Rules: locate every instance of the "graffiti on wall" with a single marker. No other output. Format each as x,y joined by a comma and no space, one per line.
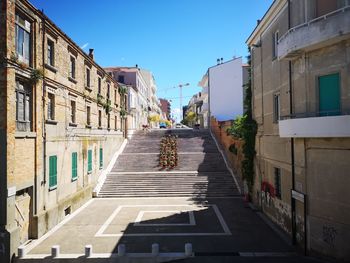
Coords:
268,192
2,245
329,235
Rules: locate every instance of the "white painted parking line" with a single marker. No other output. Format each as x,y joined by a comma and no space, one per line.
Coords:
101,231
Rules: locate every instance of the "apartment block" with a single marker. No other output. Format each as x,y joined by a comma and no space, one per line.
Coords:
300,62
61,121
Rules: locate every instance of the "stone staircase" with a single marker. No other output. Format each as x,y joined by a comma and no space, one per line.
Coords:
201,172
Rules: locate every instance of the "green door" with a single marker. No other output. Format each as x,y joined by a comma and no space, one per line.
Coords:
329,95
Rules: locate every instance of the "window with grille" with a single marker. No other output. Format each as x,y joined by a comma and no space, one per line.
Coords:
274,45
99,85
51,107
87,76
88,115
276,108
23,107
73,111
99,118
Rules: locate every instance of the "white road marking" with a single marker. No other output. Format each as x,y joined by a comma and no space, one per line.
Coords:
37,242
100,232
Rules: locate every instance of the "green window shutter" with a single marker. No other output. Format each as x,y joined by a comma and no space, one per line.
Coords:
74,165
101,157
89,160
329,95
52,171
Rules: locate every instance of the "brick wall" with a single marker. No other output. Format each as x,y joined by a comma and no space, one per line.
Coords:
219,130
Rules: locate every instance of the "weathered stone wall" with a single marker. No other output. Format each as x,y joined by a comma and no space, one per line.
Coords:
24,166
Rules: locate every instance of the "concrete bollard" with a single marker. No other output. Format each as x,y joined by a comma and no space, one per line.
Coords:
155,249
188,249
21,252
88,251
55,251
121,250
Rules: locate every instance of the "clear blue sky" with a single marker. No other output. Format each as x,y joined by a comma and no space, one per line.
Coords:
176,39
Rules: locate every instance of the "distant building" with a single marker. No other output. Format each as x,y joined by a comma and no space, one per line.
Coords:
222,84
166,108
195,106
184,109
139,91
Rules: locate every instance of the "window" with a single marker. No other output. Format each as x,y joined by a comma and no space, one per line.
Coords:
89,161
72,67
276,108
274,45
52,172
115,96
99,118
121,79
72,111
23,107
51,107
101,158
277,172
22,39
115,122
50,53
99,86
74,166
329,93
108,90
87,78
88,115
108,121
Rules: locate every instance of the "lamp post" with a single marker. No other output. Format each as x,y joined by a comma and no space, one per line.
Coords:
180,87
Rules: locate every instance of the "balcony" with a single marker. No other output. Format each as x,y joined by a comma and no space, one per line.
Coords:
315,126
316,33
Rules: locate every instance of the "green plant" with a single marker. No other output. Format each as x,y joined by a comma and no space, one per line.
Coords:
36,75
107,106
123,90
99,99
233,149
123,113
245,127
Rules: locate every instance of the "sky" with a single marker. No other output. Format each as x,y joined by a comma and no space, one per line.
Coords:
175,39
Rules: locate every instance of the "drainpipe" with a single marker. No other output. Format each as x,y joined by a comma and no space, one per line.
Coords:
43,182
292,139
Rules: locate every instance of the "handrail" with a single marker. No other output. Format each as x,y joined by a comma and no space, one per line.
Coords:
343,9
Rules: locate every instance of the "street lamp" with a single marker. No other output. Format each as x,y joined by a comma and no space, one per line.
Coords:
180,87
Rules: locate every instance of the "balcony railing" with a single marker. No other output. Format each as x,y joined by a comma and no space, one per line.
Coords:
313,33
315,125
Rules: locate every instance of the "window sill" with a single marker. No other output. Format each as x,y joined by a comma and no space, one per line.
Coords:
88,126
89,172
73,124
53,122
74,179
88,88
100,128
19,134
108,129
51,68
101,168
72,80
52,188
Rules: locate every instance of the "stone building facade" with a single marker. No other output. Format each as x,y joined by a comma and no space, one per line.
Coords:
300,54
61,121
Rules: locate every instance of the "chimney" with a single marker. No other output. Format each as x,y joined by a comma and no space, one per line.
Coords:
258,21
91,53
137,66
222,60
217,61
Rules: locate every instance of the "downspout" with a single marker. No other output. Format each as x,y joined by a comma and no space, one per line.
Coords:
292,139
43,182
